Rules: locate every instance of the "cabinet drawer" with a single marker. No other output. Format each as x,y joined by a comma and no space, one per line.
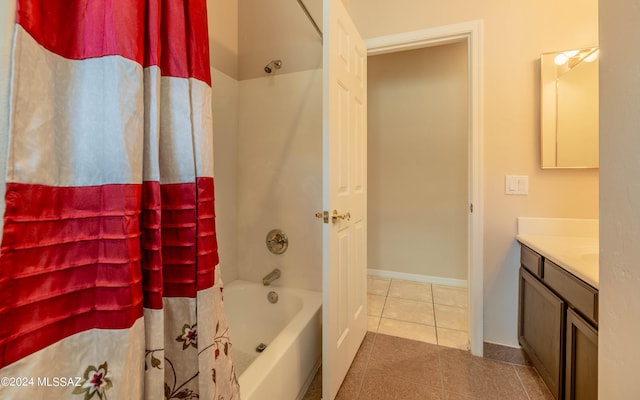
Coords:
578,294
531,260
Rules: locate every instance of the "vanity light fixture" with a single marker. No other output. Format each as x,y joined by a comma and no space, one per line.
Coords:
593,56
574,57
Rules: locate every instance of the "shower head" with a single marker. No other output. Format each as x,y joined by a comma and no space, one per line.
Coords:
277,64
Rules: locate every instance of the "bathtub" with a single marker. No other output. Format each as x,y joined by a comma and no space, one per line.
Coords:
291,330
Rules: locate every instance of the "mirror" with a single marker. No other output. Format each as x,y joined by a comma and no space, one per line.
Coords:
569,109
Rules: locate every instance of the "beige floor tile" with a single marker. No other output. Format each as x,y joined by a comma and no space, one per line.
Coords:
372,323
378,286
408,310
450,296
408,330
411,290
451,317
452,338
375,304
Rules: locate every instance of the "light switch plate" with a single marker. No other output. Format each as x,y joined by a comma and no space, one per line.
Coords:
517,184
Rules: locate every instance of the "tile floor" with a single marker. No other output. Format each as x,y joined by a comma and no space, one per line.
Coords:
420,311
413,352
393,368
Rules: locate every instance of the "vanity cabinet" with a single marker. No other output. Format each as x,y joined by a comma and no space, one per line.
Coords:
581,368
557,327
541,325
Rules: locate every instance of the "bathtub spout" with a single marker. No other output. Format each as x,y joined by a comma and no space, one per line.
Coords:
271,276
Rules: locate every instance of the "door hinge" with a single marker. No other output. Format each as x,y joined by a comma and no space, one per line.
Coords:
471,207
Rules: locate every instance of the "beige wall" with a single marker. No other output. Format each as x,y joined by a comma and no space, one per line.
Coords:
223,40
514,36
417,158
222,16
618,350
225,147
279,181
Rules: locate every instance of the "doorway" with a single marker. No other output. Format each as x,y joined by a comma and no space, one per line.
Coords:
418,174
470,34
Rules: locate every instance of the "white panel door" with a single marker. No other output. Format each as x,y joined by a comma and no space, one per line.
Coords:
344,194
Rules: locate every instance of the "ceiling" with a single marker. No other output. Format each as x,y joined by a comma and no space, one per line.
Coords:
277,29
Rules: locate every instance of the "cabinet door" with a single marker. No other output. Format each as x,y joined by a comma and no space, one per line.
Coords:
581,366
541,330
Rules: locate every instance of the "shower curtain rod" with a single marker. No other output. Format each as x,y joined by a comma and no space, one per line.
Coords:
304,8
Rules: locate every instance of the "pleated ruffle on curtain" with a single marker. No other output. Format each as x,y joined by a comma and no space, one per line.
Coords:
108,279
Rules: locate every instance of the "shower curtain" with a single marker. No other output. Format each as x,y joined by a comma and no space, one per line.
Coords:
108,279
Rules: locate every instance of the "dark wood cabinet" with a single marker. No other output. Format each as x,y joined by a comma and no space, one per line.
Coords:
531,260
541,330
581,365
558,327
581,296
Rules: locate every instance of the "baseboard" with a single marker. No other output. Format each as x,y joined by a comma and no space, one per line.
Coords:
513,355
313,383
380,273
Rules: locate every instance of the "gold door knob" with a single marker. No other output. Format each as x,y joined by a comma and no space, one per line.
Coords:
335,216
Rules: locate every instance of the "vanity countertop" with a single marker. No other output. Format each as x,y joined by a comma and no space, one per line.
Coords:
577,255
572,244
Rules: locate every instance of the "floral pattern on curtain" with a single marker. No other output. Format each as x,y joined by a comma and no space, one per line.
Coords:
108,279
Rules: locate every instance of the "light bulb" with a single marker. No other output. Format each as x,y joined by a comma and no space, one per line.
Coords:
561,59
571,53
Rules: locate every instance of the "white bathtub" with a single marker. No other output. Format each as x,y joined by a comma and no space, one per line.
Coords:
291,329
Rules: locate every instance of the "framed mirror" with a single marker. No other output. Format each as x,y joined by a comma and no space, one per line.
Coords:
569,109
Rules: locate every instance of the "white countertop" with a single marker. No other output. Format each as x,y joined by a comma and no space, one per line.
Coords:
577,255
573,244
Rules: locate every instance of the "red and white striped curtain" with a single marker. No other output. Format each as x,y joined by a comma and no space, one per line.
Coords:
108,280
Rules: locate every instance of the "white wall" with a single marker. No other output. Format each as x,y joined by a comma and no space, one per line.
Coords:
417,158
514,36
223,40
280,176
225,130
618,350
